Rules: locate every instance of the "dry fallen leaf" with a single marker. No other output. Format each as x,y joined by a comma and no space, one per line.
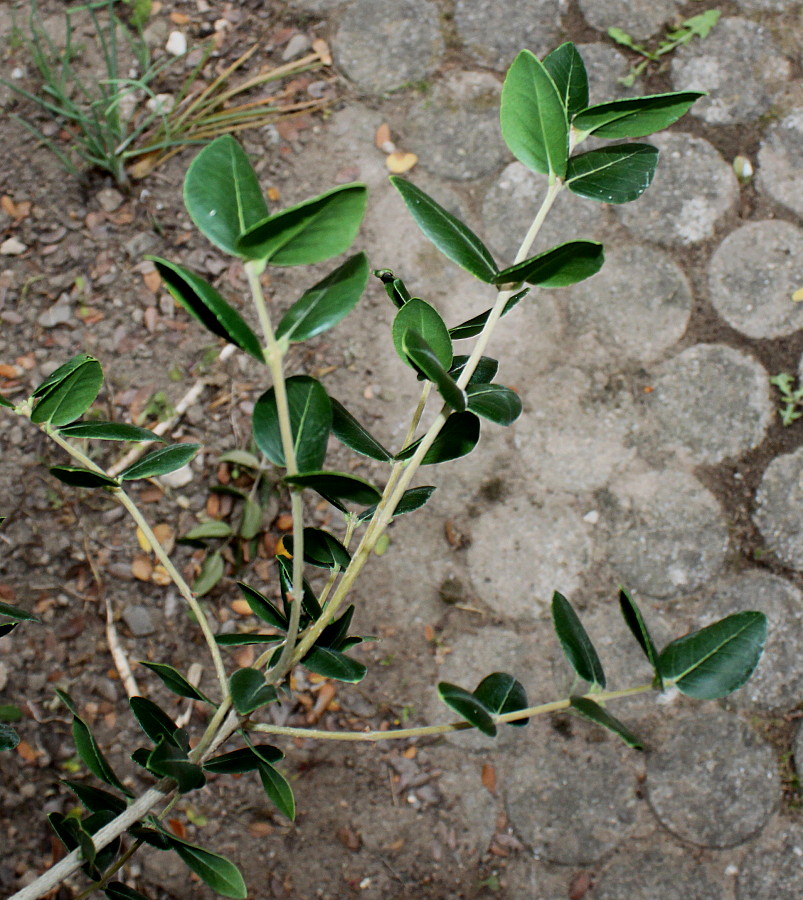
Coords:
797,297
153,281
489,777
320,46
160,576
27,752
179,18
579,885
382,136
241,607
244,657
284,522
142,568
143,542
400,162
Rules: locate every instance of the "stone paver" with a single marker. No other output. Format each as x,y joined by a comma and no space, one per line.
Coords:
708,65
714,783
779,508
773,870
712,401
778,681
605,66
780,162
639,18
666,533
535,25
633,310
380,52
692,190
752,276
454,127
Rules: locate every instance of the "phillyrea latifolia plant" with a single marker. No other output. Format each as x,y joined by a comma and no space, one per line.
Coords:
545,118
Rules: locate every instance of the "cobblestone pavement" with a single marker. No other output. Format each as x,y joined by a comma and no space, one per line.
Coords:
641,457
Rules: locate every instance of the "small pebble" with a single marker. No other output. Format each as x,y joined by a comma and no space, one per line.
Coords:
178,479
176,43
109,199
12,247
298,44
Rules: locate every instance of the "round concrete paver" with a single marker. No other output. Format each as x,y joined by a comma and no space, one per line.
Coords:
667,533
639,18
714,782
633,310
454,129
711,400
777,683
779,508
752,276
574,801
773,870
663,872
780,162
521,553
408,43
692,189
735,44
535,25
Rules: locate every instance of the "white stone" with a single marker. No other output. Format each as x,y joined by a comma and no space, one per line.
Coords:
176,43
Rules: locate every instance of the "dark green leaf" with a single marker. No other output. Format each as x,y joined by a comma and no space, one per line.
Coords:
309,232
634,117
6,403
566,67
336,632
309,602
394,287
207,305
75,476
9,738
718,659
452,237
222,193
424,319
487,367
160,462
7,628
559,267
91,755
411,500
635,622
246,759
424,358
153,837
62,372
116,890
501,693
615,174
108,431
467,706
71,397
327,303
458,437
174,681
351,433
10,713
474,326
249,691
169,761
321,549
206,530
575,641
262,607
278,790
154,721
95,799
338,484
240,640
214,870
310,421
588,709
495,402
67,829
16,613
211,572
333,664
533,118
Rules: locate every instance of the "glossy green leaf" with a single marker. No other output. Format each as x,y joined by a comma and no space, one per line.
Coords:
9,738
207,530
394,287
160,462
615,174
566,67
6,403
116,890
411,500
309,232
7,628
339,485
635,117
109,431
310,422
246,759
58,375
71,397
351,433
174,681
635,622
241,640
17,613
501,693
222,193
153,837
333,664
718,659
533,118
68,830
326,303
467,706
487,367
558,267
425,360
321,549
76,476
207,305
95,799
250,691
337,631
452,237
169,761
419,316
153,720
472,327
278,789
458,437
309,602
212,570
262,607
575,641
588,709
214,870
494,402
